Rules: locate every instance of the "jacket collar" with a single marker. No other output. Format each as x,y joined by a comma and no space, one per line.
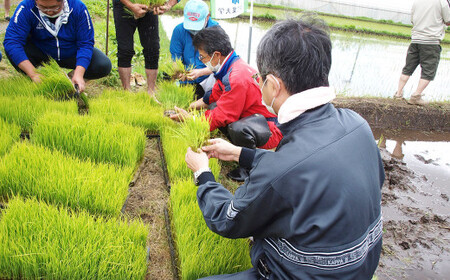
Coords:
310,116
62,19
226,65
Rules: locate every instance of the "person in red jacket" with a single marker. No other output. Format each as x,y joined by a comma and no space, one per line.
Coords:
235,102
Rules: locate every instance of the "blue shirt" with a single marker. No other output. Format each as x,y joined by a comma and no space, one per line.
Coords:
181,47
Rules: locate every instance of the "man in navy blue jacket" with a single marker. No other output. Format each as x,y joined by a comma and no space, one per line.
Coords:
196,17
60,29
313,207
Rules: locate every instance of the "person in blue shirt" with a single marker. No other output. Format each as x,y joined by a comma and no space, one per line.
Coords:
58,29
196,18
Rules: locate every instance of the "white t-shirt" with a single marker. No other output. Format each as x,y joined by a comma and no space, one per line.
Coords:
429,18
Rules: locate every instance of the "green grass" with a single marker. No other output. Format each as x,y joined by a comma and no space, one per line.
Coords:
54,84
133,109
25,110
200,251
9,134
175,143
91,138
40,241
35,171
171,95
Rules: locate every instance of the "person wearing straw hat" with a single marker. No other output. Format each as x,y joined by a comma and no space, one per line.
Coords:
196,18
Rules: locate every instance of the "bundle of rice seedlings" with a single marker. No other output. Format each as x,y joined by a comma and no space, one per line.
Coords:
92,138
174,69
9,133
150,3
54,82
132,109
175,143
25,110
29,170
201,252
171,95
40,241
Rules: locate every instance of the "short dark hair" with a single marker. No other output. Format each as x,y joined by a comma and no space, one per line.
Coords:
213,39
298,52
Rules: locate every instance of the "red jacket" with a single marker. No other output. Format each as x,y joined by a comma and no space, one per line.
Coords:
238,96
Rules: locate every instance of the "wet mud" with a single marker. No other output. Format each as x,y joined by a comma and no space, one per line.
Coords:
416,235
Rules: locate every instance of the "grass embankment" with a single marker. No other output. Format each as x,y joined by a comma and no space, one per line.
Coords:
40,241
91,138
51,176
9,134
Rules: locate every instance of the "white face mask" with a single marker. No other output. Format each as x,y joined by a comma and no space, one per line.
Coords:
269,108
213,68
52,16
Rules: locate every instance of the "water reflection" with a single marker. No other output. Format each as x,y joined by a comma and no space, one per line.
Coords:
362,65
427,154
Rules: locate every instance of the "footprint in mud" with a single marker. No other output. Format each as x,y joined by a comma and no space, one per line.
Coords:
426,161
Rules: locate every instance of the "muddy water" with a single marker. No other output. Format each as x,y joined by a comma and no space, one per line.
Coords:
362,65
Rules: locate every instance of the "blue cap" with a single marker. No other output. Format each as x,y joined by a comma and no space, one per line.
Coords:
195,13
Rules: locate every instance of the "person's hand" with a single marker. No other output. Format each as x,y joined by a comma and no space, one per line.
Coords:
182,77
222,150
162,9
79,80
197,105
139,10
194,74
180,115
35,77
196,160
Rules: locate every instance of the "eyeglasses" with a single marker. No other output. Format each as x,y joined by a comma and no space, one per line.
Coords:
49,10
201,57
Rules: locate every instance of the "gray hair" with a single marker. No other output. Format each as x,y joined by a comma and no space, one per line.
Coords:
298,52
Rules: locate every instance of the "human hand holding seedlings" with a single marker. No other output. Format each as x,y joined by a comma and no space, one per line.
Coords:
197,105
195,73
222,150
139,10
77,78
196,160
164,8
180,115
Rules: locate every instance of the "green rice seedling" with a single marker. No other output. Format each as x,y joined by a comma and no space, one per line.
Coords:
201,252
194,131
174,69
35,171
150,3
91,138
9,133
175,147
25,110
170,95
40,241
54,82
19,85
132,109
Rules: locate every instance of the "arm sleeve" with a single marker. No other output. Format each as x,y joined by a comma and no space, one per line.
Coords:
85,37
16,35
176,44
253,208
229,106
446,11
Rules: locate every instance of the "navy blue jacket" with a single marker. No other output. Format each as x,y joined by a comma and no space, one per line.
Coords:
181,47
313,205
74,39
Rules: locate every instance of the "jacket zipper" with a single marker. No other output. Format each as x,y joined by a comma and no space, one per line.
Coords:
57,47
